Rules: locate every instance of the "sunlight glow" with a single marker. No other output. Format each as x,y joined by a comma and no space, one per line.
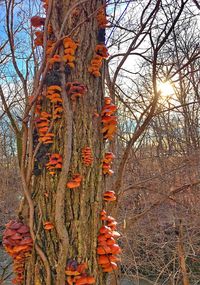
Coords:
165,89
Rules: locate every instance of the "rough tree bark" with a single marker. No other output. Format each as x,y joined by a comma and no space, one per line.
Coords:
74,213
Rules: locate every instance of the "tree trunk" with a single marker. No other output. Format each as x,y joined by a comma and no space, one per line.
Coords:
74,213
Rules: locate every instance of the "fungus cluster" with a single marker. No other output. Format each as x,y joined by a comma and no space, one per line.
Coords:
101,18
48,226
38,41
53,93
69,52
38,22
76,273
108,119
55,59
108,249
109,196
87,156
75,90
102,24
107,162
95,65
75,181
55,163
48,106
43,123
101,51
18,243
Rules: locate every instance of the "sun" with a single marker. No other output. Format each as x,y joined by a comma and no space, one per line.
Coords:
166,89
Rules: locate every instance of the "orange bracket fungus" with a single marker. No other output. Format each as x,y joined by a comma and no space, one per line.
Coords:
87,156
107,161
68,43
76,274
47,138
101,53
37,21
18,243
57,113
109,196
69,52
95,65
55,163
54,59
108,119
54,88
84,280
108,249
75,90
75,182
111,222
38,41
48,226
101,18
53,94
43,124
103,215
